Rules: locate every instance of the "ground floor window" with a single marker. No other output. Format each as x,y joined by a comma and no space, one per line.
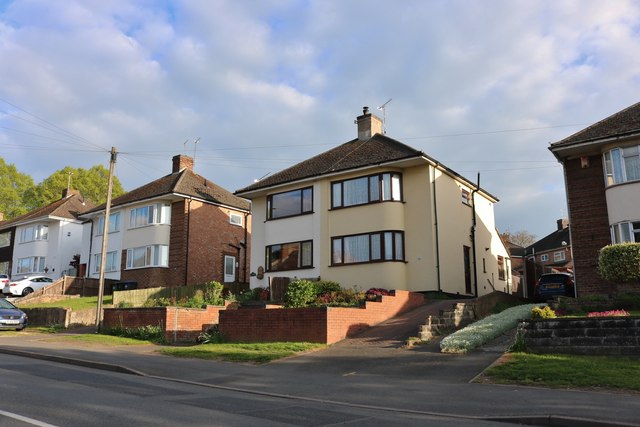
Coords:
110,265
148,256
289,256
34,264
370,247
501,269
628,231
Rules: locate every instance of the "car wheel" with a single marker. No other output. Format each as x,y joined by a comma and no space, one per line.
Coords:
26,291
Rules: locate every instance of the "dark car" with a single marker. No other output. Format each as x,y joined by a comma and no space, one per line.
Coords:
554,284
11,317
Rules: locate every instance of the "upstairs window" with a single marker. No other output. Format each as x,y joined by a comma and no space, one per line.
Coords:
501,269
558,256
235,219
290,203
35,232
114,223
147,215
367,189
5,239
544,257
622,165
466,196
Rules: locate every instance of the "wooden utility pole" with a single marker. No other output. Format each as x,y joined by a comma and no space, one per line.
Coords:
105,234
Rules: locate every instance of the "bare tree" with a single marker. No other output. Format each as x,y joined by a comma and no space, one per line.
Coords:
521,238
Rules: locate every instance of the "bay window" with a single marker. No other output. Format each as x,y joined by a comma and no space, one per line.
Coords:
370,247
148,256
34,232
34,264
367,189
289,256
626,232
622,165
159,213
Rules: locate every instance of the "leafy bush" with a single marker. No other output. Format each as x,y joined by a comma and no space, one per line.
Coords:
620,262
300,293
326,286
212,293
485,329
373,293
628,301
211,336
255,294
145,333
543,313
159,302
609,313
341,298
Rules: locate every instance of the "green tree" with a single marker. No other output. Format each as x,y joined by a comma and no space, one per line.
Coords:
13,187
92,184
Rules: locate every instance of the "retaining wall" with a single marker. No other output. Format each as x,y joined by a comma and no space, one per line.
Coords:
601,336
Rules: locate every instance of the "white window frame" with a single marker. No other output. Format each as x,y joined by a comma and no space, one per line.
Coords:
229,277
626,232
114,223
111,264
34,264
559,256
615,166
5,239
235,219
544,257
34,233
143,216
152,256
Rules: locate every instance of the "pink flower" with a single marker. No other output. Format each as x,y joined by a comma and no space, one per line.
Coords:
609,313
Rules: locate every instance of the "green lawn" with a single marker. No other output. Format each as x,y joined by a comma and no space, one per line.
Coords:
242,352
568,371
72,303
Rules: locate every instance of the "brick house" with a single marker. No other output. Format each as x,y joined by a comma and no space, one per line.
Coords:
181,229
45,240
374,212
602,178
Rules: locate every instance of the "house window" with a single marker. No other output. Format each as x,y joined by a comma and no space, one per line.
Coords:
35,232
626,232
114,223
235,219
291,203
370,247
148,256
110,265
622,165
544,257
5,239
501,269
558,256
34,264
147,215
289,256
367,189
466,196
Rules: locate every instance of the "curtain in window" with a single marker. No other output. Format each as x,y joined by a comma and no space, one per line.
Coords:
306,254
356,191
631,163
356,249
376,248
617,166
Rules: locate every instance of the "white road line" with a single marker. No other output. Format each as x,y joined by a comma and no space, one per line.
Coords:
25,419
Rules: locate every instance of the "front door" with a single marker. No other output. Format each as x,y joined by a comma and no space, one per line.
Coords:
229,268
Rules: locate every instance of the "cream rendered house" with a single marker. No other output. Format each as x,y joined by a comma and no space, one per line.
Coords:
374,212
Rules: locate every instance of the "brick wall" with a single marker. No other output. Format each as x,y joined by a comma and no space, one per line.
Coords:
322,324
180,324
589,222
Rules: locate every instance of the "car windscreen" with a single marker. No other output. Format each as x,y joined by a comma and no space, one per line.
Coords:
6,304
553,278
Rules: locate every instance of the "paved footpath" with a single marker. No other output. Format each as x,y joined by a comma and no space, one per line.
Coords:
373,369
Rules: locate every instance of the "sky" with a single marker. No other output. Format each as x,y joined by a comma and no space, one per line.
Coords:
249,88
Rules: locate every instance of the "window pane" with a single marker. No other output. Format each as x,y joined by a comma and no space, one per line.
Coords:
395,188
356,191
290,256
631,163
336,194
636,231
386,186
625,233
388,246
399,246
5,239
374,188
617,166
139,257
229,265
336,251
307,254
356,248
376,249
608,168
285,204
307,200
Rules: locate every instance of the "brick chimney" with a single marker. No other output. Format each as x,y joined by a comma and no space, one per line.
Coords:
562,224
181,161
368,124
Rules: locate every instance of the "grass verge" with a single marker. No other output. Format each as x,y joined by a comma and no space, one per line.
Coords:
567,371
72,303
242,352
101,339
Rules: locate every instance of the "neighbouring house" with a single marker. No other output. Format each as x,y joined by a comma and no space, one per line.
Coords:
181,229
602,178
551,254
374,212
44,241
516,256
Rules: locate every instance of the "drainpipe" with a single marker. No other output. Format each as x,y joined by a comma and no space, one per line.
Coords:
90,251
473,237
435,223
245,246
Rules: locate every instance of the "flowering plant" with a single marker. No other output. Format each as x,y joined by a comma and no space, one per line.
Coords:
610,313
373,293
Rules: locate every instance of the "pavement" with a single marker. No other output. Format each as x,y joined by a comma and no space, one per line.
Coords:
372,370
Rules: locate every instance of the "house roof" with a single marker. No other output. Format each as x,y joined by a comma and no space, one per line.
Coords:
552,241
621,124
354,154
184,183
68,208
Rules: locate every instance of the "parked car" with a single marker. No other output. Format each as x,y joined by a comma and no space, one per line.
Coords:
11,317
554,284
4,279
26,285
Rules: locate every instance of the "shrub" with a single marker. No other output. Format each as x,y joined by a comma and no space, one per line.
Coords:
341,298
212,293
211,336
628,301
300,293
620,262
326,286
373,293
146,333
543,313
609,313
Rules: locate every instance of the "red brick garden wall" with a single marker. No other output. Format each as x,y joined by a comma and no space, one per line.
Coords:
322,324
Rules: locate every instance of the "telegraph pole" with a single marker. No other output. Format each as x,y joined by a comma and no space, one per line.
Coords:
105,234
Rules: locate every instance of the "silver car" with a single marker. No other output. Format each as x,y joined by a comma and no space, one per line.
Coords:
11,317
